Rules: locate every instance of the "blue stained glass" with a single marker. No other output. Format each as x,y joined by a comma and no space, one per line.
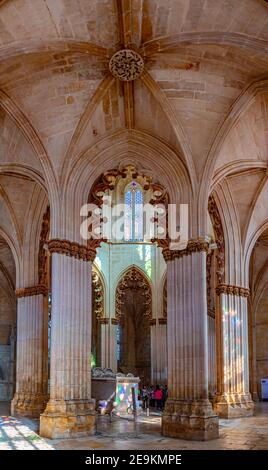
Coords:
133,213
118,342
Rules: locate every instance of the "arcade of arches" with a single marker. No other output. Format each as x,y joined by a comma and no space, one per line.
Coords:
145,102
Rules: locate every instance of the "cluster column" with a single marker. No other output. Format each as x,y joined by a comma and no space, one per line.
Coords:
32,346
188,412
70,411
159,350
234,399
108,343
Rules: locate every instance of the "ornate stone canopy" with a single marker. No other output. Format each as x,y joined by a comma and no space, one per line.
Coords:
135,281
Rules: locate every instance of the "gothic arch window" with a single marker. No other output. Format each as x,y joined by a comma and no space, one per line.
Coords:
133,222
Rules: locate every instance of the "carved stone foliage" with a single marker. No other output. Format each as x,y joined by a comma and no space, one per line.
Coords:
193,246
210,303
43,252
107,182
65,247
219,238
233,290
30,291
97,296
126,65
135,281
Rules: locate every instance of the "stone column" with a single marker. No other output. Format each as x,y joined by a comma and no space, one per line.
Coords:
253,382
113,344
32,352
109,343
212,362
158,351
105,342
70,411
154,356
162,343
188,412
234,399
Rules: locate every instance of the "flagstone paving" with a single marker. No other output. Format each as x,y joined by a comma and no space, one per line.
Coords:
246,434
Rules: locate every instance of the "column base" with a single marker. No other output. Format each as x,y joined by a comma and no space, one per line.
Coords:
193,421
234,406
27,404
255,396
68,419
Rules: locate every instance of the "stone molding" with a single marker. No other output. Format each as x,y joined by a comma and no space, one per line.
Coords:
97,296
43,267
40,289
162,321
73,249
219,238
194,246
232,290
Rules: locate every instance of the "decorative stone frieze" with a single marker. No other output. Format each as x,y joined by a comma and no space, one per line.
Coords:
73,249
219,238
30,291
233,290
194,246
126,65
43,252
97,296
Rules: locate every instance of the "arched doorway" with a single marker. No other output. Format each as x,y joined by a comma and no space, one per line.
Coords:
133,312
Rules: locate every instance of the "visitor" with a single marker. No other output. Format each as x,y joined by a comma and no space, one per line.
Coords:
165,394
144,398
158,396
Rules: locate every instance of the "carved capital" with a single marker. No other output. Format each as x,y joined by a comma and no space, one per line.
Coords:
193,246
162,321
232,290
114,321
65,247
152,322
40,289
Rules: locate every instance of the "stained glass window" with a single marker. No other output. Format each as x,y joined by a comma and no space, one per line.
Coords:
133,224
118,342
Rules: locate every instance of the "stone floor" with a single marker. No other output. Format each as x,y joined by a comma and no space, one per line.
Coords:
245,434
